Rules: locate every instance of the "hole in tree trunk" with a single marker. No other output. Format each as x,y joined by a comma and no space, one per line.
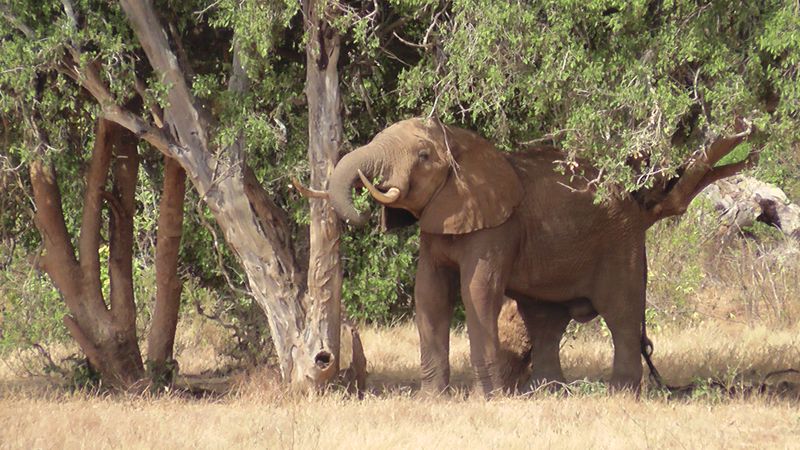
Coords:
323,360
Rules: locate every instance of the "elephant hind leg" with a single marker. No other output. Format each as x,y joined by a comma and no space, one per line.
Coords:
546,323
623,309
514,357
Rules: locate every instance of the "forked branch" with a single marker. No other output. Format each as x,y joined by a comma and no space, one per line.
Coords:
699,172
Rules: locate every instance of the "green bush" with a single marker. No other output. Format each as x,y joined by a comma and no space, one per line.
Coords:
31,309
379,274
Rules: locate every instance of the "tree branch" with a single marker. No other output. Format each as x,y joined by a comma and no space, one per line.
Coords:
120,264
15,22
690,182
113,204
152,36
161,340
59,260
96,176
90,79
728,170
70,10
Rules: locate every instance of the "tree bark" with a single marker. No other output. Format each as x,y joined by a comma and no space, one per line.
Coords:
168,285
700,171
107,336
240,206
324,141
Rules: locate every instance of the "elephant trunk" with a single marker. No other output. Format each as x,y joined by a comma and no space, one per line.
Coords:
341,182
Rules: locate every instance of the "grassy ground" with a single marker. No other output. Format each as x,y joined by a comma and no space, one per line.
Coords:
721,357
723,317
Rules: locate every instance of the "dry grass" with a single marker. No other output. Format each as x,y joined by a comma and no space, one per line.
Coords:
258,413
725,317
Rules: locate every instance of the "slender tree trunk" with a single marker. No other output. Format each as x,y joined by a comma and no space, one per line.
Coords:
106,334
253,225
168,285
324,140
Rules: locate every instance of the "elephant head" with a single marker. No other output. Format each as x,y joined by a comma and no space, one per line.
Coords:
451,180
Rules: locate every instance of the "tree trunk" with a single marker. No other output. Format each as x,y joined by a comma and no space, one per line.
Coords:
168,285
253,225
324,140
107,335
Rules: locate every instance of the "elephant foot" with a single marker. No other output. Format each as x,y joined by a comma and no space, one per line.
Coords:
431,390
424,394
625,384
553,384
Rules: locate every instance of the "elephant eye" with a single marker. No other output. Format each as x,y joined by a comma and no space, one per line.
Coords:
424,155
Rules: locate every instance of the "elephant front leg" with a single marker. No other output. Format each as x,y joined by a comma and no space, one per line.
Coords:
434,294
482,287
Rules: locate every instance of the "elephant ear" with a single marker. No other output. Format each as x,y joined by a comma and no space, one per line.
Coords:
481,191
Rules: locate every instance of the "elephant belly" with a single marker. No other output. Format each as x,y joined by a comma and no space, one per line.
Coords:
579,309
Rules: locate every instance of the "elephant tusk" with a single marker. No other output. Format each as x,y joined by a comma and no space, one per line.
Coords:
389,196
308,192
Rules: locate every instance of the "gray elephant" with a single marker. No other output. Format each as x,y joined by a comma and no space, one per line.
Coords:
501,225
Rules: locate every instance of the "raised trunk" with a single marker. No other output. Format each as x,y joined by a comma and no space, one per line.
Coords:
168,285
107,337
324,140
342,181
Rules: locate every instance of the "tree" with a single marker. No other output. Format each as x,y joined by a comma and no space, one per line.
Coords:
641,89
324,142
253,225
107,334
637,88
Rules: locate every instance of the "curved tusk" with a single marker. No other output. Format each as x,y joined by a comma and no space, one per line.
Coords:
389,196
308,192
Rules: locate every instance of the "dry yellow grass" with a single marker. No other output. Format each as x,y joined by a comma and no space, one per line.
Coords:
259,414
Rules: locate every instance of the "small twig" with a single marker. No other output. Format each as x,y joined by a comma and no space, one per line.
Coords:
155,109
411,44
15,22
218,251
51,365
551,137
450,158
199,14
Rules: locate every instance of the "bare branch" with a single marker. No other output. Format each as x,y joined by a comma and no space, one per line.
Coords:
691,179
412,44
6,12
96,176
70,10
308,192
155,110
90,79
728,170
113,205
49,219
161,340
182,110
120,264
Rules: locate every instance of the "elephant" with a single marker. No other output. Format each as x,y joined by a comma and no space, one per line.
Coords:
502,225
